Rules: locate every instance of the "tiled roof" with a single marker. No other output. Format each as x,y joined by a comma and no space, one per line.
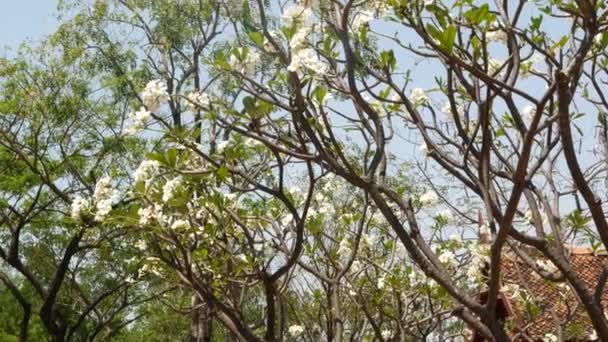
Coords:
542,305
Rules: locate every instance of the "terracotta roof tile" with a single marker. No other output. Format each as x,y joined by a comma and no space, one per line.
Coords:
544,305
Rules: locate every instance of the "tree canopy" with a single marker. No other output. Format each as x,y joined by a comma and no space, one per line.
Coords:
277,170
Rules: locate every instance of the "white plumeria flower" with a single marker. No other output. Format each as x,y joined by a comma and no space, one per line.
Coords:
245,65
386,334
295,330
139,120
141,245
307,59
361,19
496,34
104,196
419,97
146,171
154,95
295,14
429,198
221,146
446,214
592,336
528,114
550,338
79,206
382,282
103,189
146,215
447,257
180,224
170,188
494,65
344,249
103,209
196,100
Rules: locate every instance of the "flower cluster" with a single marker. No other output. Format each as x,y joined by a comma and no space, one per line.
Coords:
361,19
171,188
496,34
381,282
196,100
309,60
419,97
146,171
429,198
479,258
295,330
344,249
103,199
302,57
79,206
386,334
154,95
494,65
180,225
295,14
146,215
104,196
139,120
550,338
447,258
244,61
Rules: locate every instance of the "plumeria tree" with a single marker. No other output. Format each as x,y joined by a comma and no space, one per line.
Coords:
341,169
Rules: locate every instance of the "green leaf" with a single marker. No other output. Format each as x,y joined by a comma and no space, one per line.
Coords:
319,93
577,220
257,38
560,43
249,104
444,39
172,156
247,20
159,157
387,57
476,16
449,37
222,173
220,60
536,21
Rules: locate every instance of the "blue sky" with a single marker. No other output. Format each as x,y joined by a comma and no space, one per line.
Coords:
25,20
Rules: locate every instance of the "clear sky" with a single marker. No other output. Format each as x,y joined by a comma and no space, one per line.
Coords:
25,19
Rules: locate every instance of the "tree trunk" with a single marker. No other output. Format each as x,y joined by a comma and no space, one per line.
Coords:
200,322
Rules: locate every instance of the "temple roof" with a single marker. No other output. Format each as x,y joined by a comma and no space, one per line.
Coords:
540,306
